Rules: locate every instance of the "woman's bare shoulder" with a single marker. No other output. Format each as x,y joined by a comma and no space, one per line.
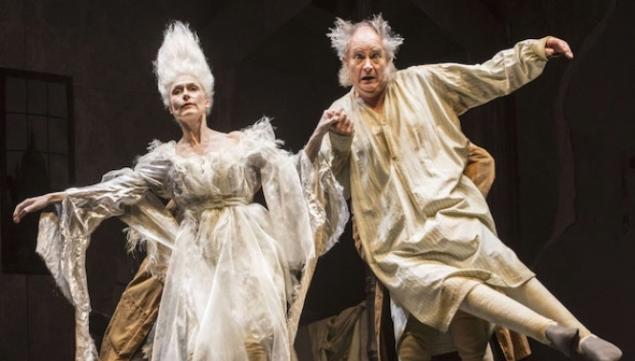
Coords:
235,135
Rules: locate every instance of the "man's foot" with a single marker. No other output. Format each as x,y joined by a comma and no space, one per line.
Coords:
593,348
563,339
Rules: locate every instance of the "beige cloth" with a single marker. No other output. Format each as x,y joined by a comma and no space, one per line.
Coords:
419,342
480,168
134,316
514,345
341,337
421,221
467,334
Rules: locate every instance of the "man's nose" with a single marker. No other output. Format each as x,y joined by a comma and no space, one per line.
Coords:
367,65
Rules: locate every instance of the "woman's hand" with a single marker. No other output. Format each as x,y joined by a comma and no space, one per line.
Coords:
335,121
340,123
34,204
332,120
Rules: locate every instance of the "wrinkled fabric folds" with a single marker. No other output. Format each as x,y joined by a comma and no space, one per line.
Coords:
232,268
422,221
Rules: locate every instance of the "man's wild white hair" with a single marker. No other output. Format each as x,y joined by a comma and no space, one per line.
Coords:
181,54
343,31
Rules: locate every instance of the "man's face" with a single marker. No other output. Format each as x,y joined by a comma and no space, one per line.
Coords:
366,62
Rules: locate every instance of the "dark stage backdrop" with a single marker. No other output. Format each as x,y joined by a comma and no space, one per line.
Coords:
564,197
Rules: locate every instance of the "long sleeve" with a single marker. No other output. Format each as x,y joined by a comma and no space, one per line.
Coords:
335,154
306,207
329,213
305,203
328,209
281,186
88,206
64,236
467,86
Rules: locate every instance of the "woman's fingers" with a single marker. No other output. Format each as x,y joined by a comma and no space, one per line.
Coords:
336,120
27,206
343,126
20,210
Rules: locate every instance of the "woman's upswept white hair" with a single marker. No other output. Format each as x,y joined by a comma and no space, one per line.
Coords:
343,31
181,54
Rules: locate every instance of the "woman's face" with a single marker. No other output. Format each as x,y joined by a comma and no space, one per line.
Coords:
188,100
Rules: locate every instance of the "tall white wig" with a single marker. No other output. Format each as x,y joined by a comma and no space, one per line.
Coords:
181,54
343,31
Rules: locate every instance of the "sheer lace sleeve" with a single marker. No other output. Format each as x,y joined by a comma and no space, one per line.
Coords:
288,208
64,235
307,208
327,199
300,195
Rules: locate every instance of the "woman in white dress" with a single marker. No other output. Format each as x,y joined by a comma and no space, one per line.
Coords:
235,272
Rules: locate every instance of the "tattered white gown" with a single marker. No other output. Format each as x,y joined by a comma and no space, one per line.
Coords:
232,268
